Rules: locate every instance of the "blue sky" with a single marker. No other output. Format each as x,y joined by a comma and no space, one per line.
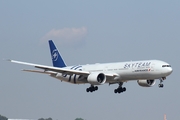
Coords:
87,32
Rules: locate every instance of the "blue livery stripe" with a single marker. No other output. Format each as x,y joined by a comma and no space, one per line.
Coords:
69,78
75,78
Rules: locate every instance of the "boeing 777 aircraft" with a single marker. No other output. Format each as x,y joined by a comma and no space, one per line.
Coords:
144,72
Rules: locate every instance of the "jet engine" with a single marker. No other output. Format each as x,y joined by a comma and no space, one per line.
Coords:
96,78
146,83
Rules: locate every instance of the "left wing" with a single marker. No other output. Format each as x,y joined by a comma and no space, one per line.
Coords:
54,70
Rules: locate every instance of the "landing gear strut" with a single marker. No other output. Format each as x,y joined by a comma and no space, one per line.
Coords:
161,80
120,89
92,88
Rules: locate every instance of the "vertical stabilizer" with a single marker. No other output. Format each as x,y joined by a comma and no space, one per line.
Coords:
56,57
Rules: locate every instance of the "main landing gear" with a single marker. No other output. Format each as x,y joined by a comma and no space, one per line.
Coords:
92,88
161,80
120,89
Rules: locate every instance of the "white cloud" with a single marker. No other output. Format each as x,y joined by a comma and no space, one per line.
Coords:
66,35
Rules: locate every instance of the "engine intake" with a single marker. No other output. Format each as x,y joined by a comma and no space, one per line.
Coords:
96,78
146,83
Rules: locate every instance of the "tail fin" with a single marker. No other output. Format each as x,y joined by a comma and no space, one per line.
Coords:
56,57
165,117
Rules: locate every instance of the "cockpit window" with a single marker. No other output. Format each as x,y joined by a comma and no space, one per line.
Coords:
166,65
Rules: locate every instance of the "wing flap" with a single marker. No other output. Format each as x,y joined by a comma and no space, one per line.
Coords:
38,71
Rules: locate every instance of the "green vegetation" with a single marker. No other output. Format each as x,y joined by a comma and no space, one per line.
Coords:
79,119
3,118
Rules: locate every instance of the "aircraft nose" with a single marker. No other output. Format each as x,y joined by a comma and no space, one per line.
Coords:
170,70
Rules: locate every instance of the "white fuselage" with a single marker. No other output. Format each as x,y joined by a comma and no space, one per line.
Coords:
126,71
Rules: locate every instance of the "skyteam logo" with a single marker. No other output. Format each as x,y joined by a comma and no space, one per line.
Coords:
54,55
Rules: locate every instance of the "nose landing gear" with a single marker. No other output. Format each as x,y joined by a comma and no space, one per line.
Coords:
161,80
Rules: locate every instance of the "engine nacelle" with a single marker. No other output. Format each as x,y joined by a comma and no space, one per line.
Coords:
96,78
146,83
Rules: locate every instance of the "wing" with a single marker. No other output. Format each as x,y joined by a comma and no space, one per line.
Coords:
54,70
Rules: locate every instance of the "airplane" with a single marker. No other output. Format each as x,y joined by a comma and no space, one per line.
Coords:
145,72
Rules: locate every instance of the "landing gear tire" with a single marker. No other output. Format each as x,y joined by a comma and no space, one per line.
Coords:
115,91
161,85
92,88
87,90
120,90
124,89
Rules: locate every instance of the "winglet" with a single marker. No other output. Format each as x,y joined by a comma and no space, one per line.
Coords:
56,57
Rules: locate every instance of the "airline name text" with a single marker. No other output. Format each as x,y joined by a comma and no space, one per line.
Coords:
138,65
